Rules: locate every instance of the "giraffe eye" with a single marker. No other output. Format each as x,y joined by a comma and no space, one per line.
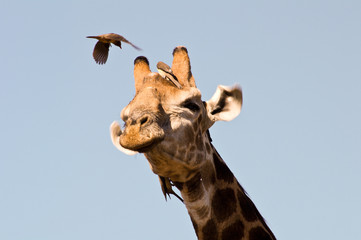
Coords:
191,106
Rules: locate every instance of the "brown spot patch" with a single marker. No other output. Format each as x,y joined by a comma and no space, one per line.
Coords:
223,172
175,176
195,126
210,231
208,147
188,135
194,188
195,225
259,233
213,178
235,231
200,158
190,156
199,142
208,175
203,211
224,204
199,120
249,210
181,152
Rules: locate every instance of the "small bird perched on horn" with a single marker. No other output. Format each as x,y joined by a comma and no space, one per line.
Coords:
166,72
101,48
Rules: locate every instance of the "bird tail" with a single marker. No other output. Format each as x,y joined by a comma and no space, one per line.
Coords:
139,49
96,37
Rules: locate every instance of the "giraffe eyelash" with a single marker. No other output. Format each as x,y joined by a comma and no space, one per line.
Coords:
191,106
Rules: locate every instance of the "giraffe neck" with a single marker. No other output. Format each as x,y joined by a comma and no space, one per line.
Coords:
219,207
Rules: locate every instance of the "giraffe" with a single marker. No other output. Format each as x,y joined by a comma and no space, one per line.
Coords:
170,126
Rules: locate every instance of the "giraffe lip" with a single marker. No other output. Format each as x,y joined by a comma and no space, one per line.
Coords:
141,138
143,147
146,147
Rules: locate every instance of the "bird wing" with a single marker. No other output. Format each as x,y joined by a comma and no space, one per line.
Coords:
171,77
116,37
126,41
123,39
134,46
167,188
100,52
166,72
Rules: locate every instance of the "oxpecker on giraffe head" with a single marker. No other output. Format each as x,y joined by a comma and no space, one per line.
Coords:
162,119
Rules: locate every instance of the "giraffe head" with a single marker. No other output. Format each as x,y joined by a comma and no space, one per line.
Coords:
169,124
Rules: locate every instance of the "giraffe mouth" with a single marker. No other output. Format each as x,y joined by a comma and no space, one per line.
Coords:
149,146
142,148
141,140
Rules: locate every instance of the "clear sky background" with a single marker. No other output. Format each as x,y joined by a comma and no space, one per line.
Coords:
295,147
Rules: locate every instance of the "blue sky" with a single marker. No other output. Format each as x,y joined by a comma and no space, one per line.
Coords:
295,147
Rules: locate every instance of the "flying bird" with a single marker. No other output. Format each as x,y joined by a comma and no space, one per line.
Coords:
101,48
166,72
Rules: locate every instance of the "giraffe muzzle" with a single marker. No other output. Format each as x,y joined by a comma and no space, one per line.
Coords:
141,134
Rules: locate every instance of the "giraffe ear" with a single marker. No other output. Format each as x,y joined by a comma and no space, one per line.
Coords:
115,133
225,104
